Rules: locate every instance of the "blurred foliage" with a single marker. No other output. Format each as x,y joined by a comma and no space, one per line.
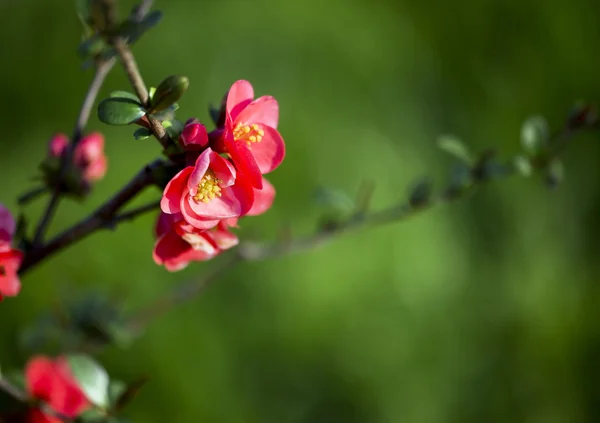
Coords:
488,310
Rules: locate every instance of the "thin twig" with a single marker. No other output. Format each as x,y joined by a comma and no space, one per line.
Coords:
132,214
31,195
97,220
102,71
136,81
12,390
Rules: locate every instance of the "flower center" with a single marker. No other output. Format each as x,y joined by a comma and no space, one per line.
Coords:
198,243
208,188
248,133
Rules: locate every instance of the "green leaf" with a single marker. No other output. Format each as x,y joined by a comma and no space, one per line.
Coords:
142,134
125,94
334,199
555,173
133,30
166,114
120,111
83,9
215,113
523,165
129,393
420,193
174,128
535,134
92,378
152,19
455,147
116,389
92,415
168,92
91,46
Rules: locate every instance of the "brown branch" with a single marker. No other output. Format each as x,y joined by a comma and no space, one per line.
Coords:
102,70
136,81
101,218
12,390
132,214
255,251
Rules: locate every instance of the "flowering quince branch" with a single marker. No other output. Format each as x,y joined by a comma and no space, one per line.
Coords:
105,216
540,156
102,70
210,182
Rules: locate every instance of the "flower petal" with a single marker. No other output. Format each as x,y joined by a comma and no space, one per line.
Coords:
240,95
270,151
38,377
7,224
199,170
263,199
174,190
244,162
191,217
263,110
234,201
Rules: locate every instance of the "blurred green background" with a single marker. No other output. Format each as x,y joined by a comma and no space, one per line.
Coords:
483,311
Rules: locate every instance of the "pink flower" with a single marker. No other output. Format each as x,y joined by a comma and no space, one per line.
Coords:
207,192
51,381
179,243
250,135
263,199
88,156
10,258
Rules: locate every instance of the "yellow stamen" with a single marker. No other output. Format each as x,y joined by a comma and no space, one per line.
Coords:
248,133
208,188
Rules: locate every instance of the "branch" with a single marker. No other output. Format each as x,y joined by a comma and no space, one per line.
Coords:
136,81
12,390
101,218
479,173
102,70
132,214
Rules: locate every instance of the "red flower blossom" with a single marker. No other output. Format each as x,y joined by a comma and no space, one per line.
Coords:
179,243
207,192
51,381
88,156
250,135
263,199
10,258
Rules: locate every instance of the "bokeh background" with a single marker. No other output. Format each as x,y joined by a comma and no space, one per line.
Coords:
485,310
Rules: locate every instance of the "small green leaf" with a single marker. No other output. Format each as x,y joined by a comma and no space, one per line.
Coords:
152,19
166,114
334,199
129,393
456,148
120,111
168,92
420,193
215,114
116,389
92,415
555,173
535,134
91,46
523,165
174,128
83,9
142,133
151,92
125,94
93,379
